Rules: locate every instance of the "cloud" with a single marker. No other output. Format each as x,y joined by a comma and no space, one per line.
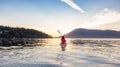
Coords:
106,16
73,5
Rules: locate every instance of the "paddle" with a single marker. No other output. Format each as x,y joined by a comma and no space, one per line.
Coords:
60,33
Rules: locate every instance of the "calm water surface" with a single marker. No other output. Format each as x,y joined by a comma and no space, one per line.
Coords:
79,53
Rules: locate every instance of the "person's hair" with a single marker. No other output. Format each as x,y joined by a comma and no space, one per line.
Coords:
63,37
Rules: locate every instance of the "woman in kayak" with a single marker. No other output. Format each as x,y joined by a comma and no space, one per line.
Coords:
63,43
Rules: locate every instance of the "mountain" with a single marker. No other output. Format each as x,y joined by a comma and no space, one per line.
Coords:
90,33
10,32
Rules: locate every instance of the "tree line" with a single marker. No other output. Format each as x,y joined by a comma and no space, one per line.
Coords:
10,32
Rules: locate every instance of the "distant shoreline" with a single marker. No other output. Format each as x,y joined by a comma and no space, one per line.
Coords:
10,32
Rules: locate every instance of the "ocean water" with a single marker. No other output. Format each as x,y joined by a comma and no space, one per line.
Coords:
79,53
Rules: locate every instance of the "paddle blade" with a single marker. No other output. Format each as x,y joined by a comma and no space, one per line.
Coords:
59,32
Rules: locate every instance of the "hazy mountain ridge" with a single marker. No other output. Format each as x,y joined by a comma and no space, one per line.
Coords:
91,33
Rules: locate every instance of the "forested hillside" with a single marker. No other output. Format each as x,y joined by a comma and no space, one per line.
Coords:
10,32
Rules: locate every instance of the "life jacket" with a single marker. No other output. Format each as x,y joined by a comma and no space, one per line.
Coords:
63,40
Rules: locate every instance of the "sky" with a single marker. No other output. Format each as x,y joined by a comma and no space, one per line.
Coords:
65,15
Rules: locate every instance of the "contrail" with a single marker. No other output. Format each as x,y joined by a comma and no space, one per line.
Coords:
73,5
